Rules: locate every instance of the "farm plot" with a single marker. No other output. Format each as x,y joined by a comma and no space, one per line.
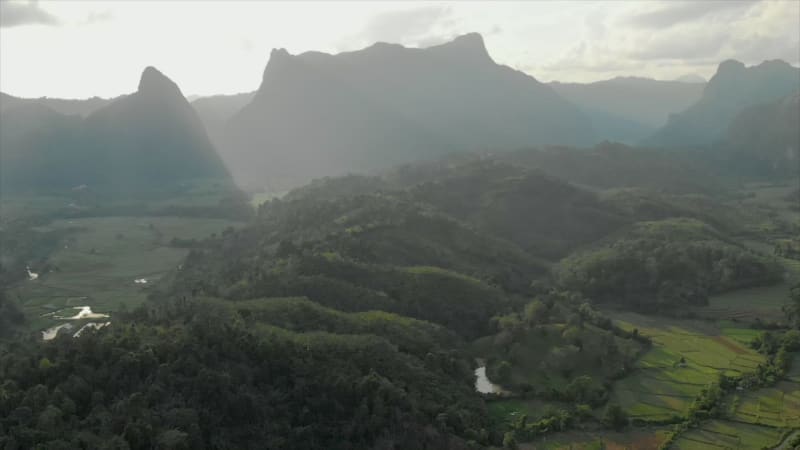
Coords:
686,356
723,434
776,406
644,438
108,262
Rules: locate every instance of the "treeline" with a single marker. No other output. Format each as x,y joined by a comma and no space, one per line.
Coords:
660,265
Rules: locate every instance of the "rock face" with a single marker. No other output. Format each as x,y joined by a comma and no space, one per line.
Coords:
730,91
137,142
317,114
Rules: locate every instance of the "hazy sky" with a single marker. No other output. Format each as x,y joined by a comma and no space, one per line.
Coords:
80,49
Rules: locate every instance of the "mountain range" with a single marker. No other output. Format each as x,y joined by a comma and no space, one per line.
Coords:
645,101
317,114
731,90
137,142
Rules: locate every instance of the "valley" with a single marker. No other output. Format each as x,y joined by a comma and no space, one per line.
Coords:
399,238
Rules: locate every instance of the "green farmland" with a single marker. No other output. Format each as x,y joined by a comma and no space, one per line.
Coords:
98,261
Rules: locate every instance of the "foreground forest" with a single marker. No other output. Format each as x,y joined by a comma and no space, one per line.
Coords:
647,298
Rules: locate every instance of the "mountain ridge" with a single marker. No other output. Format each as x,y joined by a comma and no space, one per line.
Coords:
388,104
733,88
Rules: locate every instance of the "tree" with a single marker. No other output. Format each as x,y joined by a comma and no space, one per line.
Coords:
509,441
792,309
614,417
535,312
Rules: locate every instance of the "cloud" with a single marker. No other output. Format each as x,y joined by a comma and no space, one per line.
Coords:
408,26
13,14
668,39
687,44
674,12
97,17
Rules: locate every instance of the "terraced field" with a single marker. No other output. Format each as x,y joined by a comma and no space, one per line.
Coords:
644,438
776,406
724,434
685,357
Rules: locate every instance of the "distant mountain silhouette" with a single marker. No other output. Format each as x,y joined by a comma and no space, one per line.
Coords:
640,100
216,110
731,90
80,107
318,114
691,78
139,141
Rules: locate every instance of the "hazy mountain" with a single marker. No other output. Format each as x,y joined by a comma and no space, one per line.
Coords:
732,89
81,107
216,110
691,78
139,141
39,148
319,114
641,100
766,137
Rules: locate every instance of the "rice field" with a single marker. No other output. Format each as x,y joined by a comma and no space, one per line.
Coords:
642,438
99,261
724,434
686,356
775,406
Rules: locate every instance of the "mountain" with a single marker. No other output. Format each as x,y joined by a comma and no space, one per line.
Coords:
318,114
214,111
137,142
732,89
766,137
691,78
39,147
644,101
80,107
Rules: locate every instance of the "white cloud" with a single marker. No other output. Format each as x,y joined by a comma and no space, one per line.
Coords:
14,14
216,47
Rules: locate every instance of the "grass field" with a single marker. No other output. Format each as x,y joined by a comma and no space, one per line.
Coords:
662,387
100,259
639,439
723,434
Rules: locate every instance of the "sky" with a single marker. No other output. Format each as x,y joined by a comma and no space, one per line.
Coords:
75,49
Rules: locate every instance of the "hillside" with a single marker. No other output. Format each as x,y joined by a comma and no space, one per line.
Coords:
731,90
610,165
765,138
317,114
